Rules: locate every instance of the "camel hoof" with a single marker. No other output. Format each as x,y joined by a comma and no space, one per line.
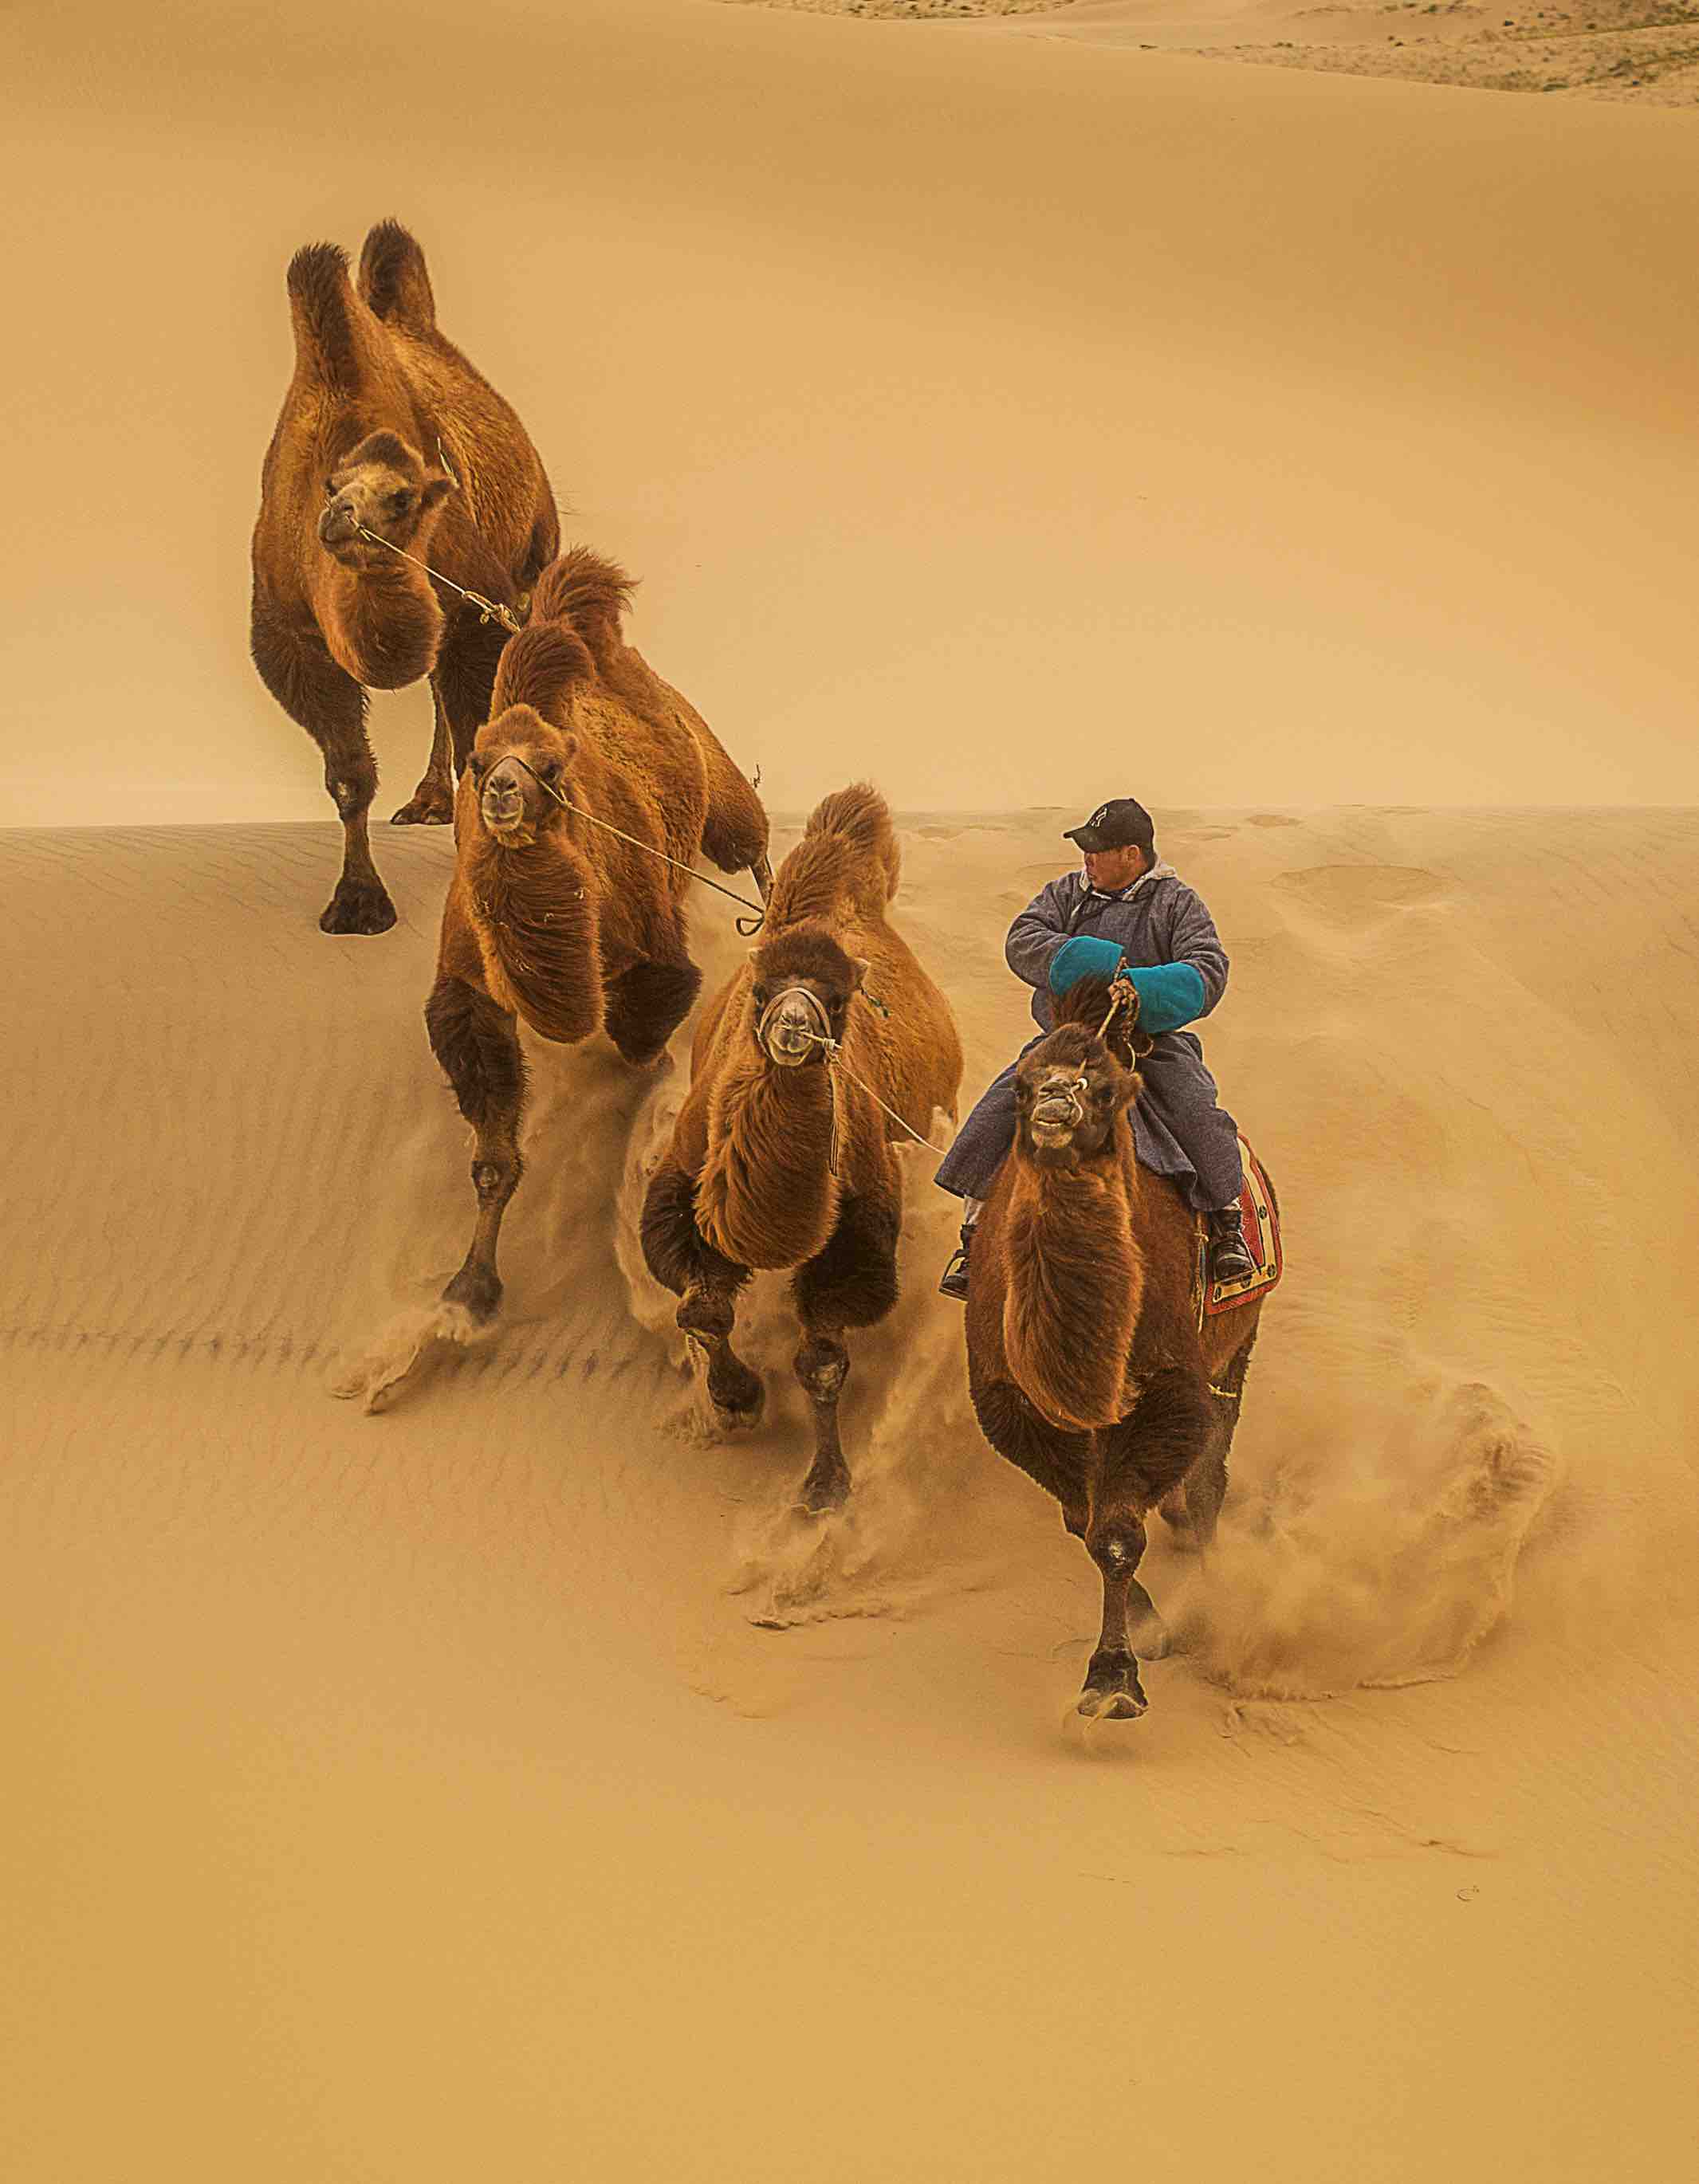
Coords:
820,1497
429,805
1111,1706
739,1417
359,906
478,1291
1113,1691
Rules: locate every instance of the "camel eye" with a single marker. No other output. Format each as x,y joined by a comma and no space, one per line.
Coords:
550,769
476,765
330,488
400,503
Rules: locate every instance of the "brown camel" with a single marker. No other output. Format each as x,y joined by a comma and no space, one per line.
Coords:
781,1157
1085,1361
552,917
387,428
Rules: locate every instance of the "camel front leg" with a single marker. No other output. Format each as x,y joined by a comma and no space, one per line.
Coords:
853,1283
296,667
478,1048
1113,1692
433,802
708,1283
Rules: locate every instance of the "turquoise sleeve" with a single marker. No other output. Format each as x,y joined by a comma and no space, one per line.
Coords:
1170,995
1084,957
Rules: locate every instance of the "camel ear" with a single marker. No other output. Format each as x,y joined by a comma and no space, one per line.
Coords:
860,966
437,484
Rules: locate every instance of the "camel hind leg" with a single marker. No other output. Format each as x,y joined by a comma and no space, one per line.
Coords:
1191,1509
680,1257
478,1049
433,802
852,1283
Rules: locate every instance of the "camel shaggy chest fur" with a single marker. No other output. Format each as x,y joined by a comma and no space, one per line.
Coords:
772,1164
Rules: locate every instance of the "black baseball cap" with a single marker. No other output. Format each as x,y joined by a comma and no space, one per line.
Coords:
1122,823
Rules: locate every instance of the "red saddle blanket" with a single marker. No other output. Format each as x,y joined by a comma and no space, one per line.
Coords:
1261,1222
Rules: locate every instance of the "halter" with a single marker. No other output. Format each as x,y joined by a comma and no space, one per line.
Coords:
835,1066
748,927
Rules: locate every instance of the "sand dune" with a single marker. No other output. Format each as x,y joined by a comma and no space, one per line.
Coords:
510,1781
507,1784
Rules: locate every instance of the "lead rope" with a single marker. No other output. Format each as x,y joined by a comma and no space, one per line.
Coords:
489,611
836,1065
748,927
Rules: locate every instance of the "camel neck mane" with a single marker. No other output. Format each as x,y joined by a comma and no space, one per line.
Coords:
1075,1283
533,913
767,1196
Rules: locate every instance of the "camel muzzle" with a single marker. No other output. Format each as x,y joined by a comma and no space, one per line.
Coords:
501,805
793,1029
337,526
1056,1115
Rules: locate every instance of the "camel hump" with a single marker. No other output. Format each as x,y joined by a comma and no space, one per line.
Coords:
860,815
321,305
588,593
393,280
538,667
1085,1002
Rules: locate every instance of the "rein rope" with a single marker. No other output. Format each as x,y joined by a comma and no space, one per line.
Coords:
489,611
748,927
836,1065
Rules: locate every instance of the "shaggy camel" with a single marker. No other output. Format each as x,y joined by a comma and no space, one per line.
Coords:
550,917
1086,1363
387,428
779,1158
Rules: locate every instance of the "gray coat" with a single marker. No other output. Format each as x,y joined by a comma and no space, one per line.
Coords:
1161,920
1178,1126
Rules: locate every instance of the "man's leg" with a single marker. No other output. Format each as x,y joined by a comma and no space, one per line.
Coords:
1183,1092
969,1168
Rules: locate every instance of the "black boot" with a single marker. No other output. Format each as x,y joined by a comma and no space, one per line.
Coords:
1230,1260
955,1282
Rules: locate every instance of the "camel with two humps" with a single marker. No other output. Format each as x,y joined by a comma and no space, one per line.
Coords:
782,1157
390,444
1089,1365
575,824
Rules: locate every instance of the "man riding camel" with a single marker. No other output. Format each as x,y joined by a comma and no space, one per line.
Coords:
1127,911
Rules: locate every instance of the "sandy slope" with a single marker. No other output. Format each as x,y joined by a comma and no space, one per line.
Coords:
420,1798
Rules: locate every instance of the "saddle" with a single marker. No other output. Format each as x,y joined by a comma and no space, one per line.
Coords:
1260,1218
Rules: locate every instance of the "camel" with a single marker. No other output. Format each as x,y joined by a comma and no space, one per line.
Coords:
781,1157
1087,1365
551,918
387,432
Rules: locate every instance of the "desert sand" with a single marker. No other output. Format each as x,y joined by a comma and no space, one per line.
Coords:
1641,52
508,1784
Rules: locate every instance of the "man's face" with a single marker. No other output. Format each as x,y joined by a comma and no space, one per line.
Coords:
1113,869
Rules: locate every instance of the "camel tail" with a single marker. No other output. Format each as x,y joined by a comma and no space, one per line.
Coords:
393,279
539,667
590,594
321,305
860,815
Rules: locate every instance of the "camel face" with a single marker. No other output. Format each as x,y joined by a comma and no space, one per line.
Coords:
518,765
382,486
1068,1094
801,995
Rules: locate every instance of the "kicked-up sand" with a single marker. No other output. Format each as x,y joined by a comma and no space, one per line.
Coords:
510,1783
